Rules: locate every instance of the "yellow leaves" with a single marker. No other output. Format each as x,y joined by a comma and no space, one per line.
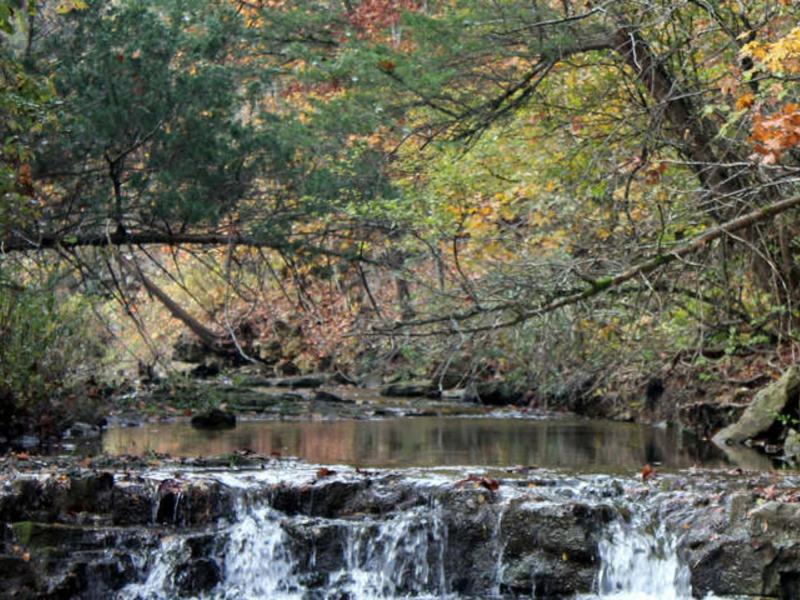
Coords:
540,218
554,239
603,233
67,6
780,56
745,101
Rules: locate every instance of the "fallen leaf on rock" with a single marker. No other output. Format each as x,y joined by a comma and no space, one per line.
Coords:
490,484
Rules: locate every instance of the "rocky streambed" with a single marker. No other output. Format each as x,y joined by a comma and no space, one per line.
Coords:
260,527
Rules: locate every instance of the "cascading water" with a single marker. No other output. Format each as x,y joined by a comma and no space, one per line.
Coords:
639,561
258,559
406,553
399,557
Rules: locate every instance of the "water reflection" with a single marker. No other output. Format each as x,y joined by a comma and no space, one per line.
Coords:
434,441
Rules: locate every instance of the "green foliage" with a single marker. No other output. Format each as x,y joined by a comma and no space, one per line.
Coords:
47,348
24,99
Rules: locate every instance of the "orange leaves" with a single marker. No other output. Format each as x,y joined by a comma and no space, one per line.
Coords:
24,182
745,101
774,135
654,172
373,16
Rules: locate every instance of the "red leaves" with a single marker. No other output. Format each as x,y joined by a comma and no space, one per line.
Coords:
387,66
485,482
325,472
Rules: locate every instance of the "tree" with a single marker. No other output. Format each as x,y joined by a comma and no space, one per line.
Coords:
626,96
179,123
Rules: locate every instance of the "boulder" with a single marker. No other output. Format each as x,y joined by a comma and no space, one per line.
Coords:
765,408
214,419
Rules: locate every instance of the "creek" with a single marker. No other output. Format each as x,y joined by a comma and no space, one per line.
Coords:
423,507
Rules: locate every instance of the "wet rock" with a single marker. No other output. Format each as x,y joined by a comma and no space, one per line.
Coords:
326,396
766,406
132,503
214,419
302,381
409,389
82,430
17,577
730,567
197,576
552,549
328,499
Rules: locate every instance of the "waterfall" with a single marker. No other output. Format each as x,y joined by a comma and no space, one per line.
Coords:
640,562
258,560
414,552
401,556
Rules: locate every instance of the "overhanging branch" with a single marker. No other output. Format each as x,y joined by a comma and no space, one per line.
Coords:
607,283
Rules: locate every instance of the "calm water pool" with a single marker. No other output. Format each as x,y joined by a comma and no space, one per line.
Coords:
596,446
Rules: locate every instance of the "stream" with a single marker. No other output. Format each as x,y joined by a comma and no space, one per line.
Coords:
424,507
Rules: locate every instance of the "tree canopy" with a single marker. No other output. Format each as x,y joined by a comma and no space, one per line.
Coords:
602,168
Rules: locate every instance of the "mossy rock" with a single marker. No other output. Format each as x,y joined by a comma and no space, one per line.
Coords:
768,404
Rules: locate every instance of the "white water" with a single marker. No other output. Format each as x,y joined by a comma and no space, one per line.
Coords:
641,564
399,556
258,562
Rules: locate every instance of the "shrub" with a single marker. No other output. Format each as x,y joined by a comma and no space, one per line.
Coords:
46,353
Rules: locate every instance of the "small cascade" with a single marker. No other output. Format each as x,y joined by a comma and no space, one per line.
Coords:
640,562
401,556
258,560
160,572
450,541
